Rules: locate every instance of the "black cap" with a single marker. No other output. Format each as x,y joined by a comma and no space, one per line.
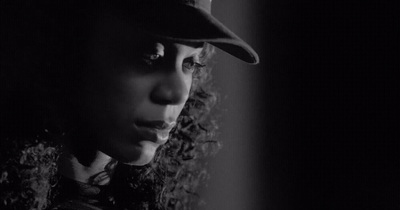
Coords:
185,20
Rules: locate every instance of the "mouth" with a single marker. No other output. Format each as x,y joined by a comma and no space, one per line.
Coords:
156,131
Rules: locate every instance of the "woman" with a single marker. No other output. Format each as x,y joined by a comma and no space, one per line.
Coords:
119,100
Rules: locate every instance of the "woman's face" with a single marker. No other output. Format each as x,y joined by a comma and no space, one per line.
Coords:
136,90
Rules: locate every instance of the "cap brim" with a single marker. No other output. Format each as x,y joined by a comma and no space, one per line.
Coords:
189,24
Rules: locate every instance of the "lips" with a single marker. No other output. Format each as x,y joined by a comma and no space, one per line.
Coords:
156,131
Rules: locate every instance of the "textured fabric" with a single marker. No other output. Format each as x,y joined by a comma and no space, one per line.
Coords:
74,195
76,205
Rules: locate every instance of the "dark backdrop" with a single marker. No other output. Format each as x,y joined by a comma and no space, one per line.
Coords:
315,125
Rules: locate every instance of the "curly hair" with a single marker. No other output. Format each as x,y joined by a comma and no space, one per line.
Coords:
170,181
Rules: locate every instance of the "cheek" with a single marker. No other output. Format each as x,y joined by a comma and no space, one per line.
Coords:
174,111
190,84
126,94
113,97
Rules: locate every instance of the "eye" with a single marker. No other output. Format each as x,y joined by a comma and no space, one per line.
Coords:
151,59
153,53
192,65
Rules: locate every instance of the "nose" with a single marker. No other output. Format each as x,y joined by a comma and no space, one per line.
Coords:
173,87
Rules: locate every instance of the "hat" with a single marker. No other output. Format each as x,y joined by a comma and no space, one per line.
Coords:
186,20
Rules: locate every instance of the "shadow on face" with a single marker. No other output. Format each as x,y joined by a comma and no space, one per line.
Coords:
134,90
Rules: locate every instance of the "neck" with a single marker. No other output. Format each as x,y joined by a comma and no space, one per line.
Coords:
97,171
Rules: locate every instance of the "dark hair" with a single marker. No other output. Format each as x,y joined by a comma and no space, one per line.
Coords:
170,181
38,66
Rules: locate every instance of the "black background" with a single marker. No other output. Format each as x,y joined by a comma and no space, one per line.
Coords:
326,93
332,96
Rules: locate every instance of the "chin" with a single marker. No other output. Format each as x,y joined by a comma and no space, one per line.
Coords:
142,154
